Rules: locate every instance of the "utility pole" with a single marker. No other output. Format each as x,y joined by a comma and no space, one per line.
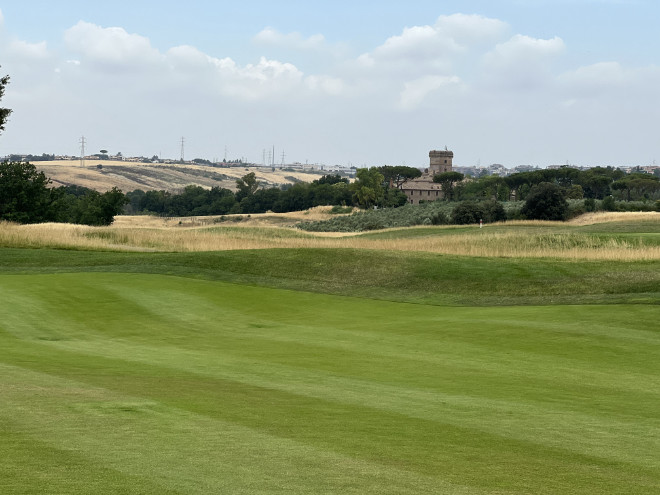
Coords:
82,151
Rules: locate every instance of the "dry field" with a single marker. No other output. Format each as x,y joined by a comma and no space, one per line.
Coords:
129,176
145,233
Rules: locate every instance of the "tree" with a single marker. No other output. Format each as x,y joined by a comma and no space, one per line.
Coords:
448,179
397,175
24,193
368,187
4,112
637,186
545,201
247,186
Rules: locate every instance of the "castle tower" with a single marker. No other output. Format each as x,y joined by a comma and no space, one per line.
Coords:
440,161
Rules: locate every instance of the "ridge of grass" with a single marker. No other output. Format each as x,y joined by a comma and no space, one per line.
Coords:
398,276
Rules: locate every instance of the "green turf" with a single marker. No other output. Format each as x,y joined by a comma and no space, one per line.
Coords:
150,383
399,276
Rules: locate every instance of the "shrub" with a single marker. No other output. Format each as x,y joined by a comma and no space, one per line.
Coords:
590,204
545,201
467,212
608,204
338,209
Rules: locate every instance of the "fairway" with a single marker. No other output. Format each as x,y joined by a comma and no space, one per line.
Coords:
149,383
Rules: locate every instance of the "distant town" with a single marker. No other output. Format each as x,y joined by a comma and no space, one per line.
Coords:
475,171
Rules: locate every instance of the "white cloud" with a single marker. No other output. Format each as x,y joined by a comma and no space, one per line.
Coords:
433,48
522,62
416,91
523,48
610,80
27,50
469,30
111,46
330,85
226,77
295,40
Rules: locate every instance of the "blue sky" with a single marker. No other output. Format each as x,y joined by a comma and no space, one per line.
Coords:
515,82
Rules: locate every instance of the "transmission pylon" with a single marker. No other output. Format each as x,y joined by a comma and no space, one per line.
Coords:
82,151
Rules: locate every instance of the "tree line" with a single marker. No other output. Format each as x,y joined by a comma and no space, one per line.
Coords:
25,197
329,190
593,183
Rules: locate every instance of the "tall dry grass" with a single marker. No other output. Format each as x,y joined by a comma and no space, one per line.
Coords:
157,234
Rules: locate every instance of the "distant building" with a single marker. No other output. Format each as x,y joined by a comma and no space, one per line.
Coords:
423,188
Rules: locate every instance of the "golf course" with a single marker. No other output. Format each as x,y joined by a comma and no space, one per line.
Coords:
192,358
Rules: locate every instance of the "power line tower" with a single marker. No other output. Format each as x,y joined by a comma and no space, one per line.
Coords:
283,155
183,140
82,151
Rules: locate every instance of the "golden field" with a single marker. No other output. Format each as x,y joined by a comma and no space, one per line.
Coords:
271,230
129,176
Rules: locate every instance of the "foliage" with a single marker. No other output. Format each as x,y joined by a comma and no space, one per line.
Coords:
339,210
431,213
4,112
448,179
637,186
24,193
368,187
545,201
26,198
246,186
471,212
397,175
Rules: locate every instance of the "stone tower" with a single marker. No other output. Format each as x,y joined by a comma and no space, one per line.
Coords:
440,161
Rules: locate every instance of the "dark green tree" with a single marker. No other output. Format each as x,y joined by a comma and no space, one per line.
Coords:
398,174
24,193
448,179
545,201
246,186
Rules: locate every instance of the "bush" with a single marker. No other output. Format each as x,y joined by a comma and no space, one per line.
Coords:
470,212
467,212
545,201
590,204
338,209
608,204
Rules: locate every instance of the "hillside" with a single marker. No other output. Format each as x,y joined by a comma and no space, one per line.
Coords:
129,176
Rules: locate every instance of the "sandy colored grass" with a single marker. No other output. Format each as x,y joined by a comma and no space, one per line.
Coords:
129,176
262,232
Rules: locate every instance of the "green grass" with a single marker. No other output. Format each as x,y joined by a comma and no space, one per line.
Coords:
398,276
329,371
149,383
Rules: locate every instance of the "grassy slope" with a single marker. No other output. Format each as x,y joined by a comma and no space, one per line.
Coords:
134,383
412,277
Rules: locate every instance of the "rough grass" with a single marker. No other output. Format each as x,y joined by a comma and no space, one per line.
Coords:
134,383
624,237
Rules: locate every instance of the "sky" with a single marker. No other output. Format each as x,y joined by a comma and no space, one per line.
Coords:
353,83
